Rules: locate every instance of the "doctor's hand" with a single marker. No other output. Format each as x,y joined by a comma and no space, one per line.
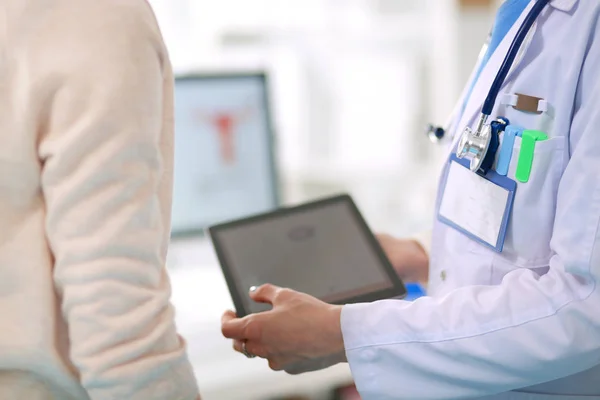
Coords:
299,334
407,256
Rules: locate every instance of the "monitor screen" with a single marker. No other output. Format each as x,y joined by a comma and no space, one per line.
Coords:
224,167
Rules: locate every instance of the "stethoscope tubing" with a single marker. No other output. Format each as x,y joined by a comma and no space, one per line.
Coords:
490,101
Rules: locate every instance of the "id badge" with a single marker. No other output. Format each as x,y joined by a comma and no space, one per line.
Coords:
476,206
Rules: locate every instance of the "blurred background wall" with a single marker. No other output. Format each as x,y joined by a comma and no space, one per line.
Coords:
352,85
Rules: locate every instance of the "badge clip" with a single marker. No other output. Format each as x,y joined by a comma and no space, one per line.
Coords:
526,103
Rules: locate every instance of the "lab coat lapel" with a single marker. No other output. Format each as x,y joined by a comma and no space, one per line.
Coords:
488,74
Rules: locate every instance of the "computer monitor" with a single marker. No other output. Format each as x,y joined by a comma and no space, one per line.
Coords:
224,153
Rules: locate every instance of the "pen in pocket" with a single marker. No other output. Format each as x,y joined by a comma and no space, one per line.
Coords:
506,150
528,141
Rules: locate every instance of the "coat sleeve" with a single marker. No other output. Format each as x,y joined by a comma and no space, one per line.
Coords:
106,153
483,340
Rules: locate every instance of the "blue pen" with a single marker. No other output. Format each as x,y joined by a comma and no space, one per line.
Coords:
498,127
506,150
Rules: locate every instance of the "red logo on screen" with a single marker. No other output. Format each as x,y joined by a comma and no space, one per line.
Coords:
225,123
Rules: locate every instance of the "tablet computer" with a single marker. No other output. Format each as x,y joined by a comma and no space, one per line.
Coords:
323,248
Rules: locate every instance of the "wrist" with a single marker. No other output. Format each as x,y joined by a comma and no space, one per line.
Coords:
336,346
412,261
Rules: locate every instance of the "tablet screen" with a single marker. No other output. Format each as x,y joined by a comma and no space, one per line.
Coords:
324,250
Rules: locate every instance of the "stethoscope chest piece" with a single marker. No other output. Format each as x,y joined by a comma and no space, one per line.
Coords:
474,145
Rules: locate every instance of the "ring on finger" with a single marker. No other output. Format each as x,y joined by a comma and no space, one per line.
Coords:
246,352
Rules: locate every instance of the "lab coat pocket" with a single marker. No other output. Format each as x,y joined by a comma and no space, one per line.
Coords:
527,242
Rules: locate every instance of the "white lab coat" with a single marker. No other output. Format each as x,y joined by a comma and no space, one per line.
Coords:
523,324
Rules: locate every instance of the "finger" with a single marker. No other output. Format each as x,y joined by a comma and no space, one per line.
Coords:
228,316
233,327
237,346
382,237
256,349
251,347
275,366
264,293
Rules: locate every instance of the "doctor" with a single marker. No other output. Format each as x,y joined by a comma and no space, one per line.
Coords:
514,306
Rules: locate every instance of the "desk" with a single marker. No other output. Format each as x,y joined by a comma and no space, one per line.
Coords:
200,297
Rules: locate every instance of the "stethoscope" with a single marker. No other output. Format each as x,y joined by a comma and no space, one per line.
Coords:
474,144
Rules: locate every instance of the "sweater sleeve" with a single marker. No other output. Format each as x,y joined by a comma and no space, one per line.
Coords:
106,154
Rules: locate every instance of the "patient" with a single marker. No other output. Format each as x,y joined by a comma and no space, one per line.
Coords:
86,154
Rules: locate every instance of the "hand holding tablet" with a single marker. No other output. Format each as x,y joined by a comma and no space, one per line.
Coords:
300,333
323,248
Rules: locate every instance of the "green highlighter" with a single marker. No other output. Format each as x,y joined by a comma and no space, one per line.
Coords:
525,162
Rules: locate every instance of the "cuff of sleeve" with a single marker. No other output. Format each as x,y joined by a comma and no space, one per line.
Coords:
354,330
360,356
175,383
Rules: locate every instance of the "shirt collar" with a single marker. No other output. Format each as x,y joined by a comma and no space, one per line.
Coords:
563,5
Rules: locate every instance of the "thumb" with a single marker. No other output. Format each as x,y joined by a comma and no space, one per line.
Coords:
264,293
